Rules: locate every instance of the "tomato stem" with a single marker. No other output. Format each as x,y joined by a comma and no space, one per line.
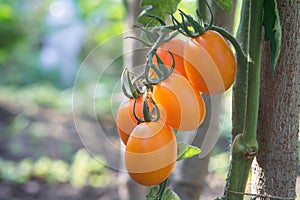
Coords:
254,71
245,146
146,109
161,71
159,41
239,98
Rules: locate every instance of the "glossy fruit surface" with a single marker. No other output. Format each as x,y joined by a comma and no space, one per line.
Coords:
183,104
209,63
151,153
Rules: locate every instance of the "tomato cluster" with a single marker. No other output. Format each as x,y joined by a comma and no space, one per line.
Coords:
203,64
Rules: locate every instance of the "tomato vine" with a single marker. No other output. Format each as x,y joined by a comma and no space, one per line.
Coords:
156,95
172,100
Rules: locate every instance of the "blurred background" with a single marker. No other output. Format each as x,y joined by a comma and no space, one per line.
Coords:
43,45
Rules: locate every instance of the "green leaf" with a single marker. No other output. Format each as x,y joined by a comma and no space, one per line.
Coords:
159,8
273,31
186,151
170,195
152,193
225,5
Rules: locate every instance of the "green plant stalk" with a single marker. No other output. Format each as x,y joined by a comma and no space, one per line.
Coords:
240,85
239,171
239,100
255,33
245,146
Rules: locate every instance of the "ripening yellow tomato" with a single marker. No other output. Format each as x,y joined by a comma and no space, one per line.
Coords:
151,153
209,63
183,104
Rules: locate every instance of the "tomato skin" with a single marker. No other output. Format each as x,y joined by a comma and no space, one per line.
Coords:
209,63
183,104
151,152
176,46
125,119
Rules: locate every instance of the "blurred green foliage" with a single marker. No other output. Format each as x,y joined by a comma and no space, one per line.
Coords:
10,29
45,95
22,79
103,19
20,43
23,28
83,170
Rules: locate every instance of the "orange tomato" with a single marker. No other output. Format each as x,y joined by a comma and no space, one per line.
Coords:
151,153
183,104
209,63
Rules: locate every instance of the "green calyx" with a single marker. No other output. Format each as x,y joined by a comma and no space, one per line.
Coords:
198,27
161,71
135,86
131,89
151,111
